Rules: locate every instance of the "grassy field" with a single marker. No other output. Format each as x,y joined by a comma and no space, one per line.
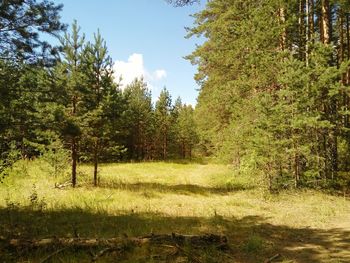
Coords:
143,198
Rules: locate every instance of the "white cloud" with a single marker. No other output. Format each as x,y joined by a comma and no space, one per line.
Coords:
133,68
160,74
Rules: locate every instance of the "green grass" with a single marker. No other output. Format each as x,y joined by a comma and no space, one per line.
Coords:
188,198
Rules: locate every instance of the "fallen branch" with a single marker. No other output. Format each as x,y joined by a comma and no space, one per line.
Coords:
174,239
64,185
101,253
53,254
193,257
271,259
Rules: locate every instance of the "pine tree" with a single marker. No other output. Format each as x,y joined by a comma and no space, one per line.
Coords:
139,121
98,69
186,131
22,23
271,91
73,80
163,123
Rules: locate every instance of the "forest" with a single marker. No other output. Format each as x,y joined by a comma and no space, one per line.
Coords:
275,89
65,101
257,171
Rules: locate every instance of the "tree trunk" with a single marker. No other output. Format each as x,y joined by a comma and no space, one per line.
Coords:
183,149
348,37
334,154
348,46
341,39
283,37
347,83
311,22
325,156
165,145
302,47
74,146
95,164
296,170
331,109
74,161
307,34
325,22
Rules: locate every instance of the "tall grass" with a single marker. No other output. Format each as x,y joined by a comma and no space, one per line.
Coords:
143,198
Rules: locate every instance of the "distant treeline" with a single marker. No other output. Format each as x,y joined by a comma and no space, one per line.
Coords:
65,99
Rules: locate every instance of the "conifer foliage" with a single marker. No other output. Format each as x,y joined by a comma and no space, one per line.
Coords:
274,96
72,109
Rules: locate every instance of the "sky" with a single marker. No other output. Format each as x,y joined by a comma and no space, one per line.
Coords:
144,37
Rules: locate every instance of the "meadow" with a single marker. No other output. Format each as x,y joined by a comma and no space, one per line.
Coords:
135,199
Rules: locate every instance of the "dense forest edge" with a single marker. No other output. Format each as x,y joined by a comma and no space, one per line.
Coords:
274,96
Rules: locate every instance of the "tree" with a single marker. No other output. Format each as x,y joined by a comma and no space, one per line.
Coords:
22,22
139,121
186,130
273,86
163,122
72,79
98,67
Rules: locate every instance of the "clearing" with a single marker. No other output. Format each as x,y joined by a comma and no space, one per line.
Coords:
163,198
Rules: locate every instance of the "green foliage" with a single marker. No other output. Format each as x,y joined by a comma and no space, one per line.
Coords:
139,121
254,245
162,114
36,203
22,24
271,92
57,157
75,106
8,159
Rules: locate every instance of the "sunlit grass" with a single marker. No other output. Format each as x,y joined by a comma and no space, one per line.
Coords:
140,198
175,190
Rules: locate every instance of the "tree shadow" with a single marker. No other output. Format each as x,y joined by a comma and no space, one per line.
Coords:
251,238
185,189
200,161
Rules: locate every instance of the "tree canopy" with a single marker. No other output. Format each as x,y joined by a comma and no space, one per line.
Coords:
22,22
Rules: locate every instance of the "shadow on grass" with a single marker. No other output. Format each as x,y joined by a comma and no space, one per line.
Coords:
251,238
201,161
178,189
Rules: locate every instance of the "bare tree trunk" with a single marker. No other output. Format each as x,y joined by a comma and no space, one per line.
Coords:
198,241
165,144
190,153
325,22
334,153
74,161
74,147
311,18
96,164
183,149
296,169
331,109
302,48
347,81
348,45
341,39
283,37
307,35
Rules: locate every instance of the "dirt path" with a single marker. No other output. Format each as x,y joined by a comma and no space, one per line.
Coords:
329,245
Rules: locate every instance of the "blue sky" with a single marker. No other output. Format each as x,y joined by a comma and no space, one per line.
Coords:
144,37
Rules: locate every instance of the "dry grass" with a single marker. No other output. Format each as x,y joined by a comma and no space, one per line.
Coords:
140,198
